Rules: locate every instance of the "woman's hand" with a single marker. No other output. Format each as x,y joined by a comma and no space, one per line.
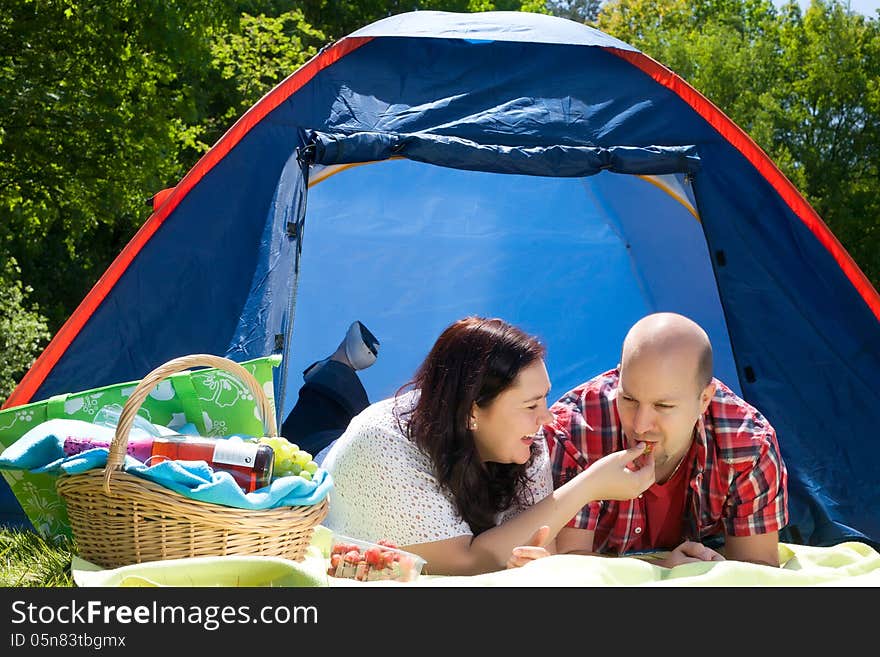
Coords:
617,477
533,549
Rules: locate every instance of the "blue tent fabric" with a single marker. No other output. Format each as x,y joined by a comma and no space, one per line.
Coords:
410,175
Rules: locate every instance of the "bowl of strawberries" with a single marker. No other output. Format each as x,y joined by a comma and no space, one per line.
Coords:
364,561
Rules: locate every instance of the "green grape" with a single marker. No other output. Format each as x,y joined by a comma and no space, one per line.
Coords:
311,467
305,474
290,460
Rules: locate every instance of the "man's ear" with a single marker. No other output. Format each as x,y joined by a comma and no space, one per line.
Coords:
706,396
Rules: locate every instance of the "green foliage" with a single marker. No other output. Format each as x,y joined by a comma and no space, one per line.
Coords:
29,560
830,95
805,88
96,105
23,330
263,51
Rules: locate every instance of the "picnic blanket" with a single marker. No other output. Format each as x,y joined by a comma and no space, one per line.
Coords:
846,564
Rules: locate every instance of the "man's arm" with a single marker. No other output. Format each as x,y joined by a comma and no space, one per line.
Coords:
758,548
571,540
763,502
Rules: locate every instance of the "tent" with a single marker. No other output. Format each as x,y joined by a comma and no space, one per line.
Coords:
434,165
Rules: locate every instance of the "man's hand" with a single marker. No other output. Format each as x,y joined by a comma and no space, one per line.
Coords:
688,552
533,549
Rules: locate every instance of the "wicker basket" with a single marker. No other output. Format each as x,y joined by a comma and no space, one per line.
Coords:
119,519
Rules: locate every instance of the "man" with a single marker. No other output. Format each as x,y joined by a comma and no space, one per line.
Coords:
719,476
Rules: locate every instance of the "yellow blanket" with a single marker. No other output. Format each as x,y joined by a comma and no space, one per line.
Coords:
846,564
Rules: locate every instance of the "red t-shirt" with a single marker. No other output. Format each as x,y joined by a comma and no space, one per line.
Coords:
664,508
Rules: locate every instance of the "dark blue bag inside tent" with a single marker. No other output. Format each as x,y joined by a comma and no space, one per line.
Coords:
434,165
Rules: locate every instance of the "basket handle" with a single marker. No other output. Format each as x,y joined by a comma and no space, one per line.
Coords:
119,445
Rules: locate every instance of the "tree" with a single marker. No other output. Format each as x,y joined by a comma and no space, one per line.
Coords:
830,120
100,106
259,54
582,11
805,87
96,106
23,331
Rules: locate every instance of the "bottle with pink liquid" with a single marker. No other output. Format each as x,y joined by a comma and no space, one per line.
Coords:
250,464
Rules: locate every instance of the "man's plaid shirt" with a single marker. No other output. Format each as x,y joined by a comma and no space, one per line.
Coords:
737,481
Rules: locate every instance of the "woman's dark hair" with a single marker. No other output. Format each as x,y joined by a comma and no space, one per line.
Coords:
473,360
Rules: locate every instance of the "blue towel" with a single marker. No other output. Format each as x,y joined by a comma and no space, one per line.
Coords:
41,450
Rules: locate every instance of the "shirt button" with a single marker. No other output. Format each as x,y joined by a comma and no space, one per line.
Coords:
638,530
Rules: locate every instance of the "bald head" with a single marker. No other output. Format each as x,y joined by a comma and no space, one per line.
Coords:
670,336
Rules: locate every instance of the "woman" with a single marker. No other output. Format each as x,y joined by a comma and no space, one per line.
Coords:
452,470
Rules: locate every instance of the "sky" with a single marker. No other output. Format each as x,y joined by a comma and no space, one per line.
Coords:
866,7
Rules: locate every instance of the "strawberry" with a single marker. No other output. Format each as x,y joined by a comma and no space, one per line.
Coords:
373,556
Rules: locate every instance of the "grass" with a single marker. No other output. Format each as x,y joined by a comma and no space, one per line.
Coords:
28,559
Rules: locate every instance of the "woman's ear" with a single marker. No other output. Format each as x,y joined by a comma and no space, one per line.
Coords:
473,418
